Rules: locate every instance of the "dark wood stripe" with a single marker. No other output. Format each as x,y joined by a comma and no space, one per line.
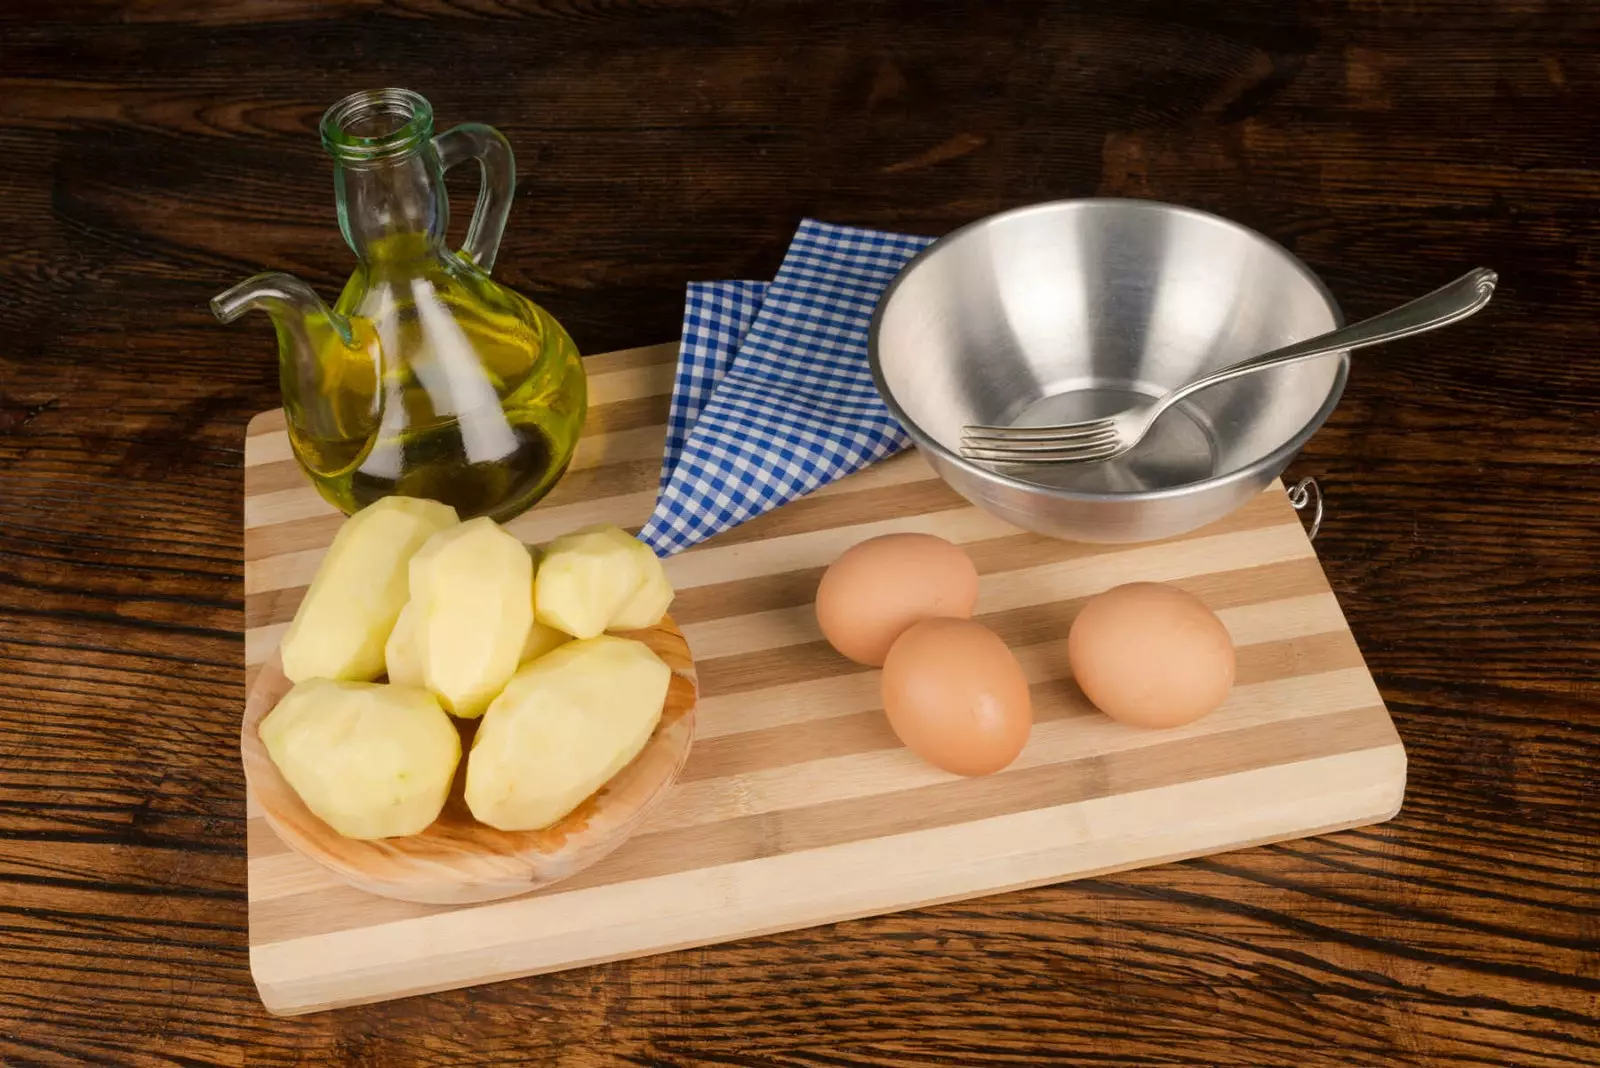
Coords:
295,536
867,731
762,593
837,822
275,477
272,606
843,509
589,484
632,414
1053,699
932,495
272,421
627,476
1027,625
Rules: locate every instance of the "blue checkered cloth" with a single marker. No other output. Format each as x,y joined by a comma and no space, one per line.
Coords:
716,317
796,408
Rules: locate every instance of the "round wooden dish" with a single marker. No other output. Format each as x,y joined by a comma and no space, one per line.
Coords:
458,860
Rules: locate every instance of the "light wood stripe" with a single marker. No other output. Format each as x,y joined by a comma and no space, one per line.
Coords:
794,588
1075,577
296,569
838,823
649,380
624,375
743,899
849,691
638,419
1058,739
1055,697
260,642
283,481
797,804
264,423
650,358
266,447
1066,583
862,495
624,359
286,505
837,506
282,486
1263,633
1312,678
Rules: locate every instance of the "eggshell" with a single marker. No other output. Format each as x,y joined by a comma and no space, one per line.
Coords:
878,588
1151,655
956,696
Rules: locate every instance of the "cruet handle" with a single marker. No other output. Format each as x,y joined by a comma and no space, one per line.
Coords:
473,140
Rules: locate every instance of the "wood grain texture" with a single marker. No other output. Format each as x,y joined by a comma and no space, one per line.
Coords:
157,152
457,859
801,807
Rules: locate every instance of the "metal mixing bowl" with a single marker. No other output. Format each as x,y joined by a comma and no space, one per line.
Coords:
1077,308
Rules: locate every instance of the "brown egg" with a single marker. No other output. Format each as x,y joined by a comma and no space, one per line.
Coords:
1151,655
956,696
876,589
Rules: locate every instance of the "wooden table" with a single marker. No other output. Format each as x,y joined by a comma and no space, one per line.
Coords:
151,154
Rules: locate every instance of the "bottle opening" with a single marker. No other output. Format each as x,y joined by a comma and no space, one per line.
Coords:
376,124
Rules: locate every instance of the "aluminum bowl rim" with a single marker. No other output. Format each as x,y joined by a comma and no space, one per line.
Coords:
1276,460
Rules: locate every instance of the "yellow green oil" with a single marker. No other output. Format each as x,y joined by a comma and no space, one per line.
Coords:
450,387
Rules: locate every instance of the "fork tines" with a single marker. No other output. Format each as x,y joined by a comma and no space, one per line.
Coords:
1089,440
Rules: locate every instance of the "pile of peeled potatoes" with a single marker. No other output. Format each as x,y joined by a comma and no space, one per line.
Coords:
464,620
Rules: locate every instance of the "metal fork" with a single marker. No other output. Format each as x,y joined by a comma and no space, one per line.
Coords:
1102,439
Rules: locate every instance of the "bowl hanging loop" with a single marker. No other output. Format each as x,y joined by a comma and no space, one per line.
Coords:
1307,494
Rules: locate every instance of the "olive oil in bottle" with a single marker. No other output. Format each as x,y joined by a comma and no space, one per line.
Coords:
427,378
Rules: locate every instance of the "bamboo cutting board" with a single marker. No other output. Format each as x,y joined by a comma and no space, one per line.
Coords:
798,806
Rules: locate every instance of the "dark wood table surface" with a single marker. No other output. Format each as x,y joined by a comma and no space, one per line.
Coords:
153,153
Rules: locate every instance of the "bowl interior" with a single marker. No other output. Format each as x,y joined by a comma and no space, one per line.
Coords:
1077,309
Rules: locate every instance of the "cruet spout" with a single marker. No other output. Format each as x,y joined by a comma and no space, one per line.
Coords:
328,368
292,304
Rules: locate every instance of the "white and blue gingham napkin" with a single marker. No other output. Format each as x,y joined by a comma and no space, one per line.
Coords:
716,317
796,407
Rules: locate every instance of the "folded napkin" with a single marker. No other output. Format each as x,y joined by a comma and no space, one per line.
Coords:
791,402
716,317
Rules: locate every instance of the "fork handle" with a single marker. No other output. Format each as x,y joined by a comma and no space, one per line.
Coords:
1445,305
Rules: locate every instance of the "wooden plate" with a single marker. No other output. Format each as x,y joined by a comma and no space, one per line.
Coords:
458,860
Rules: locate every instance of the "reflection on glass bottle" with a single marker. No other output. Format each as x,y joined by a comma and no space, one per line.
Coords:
427,378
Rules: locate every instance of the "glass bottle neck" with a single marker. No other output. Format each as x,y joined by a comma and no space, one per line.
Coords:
388,180
392,205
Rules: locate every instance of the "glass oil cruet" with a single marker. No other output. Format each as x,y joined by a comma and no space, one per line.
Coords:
427,378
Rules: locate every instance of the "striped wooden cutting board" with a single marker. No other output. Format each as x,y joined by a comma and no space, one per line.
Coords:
798,806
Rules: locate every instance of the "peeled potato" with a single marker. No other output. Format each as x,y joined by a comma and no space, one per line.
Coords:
541,637
370,760
471,612
587,577
649,605
541,640
344,621
563,726
400,652
405,666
